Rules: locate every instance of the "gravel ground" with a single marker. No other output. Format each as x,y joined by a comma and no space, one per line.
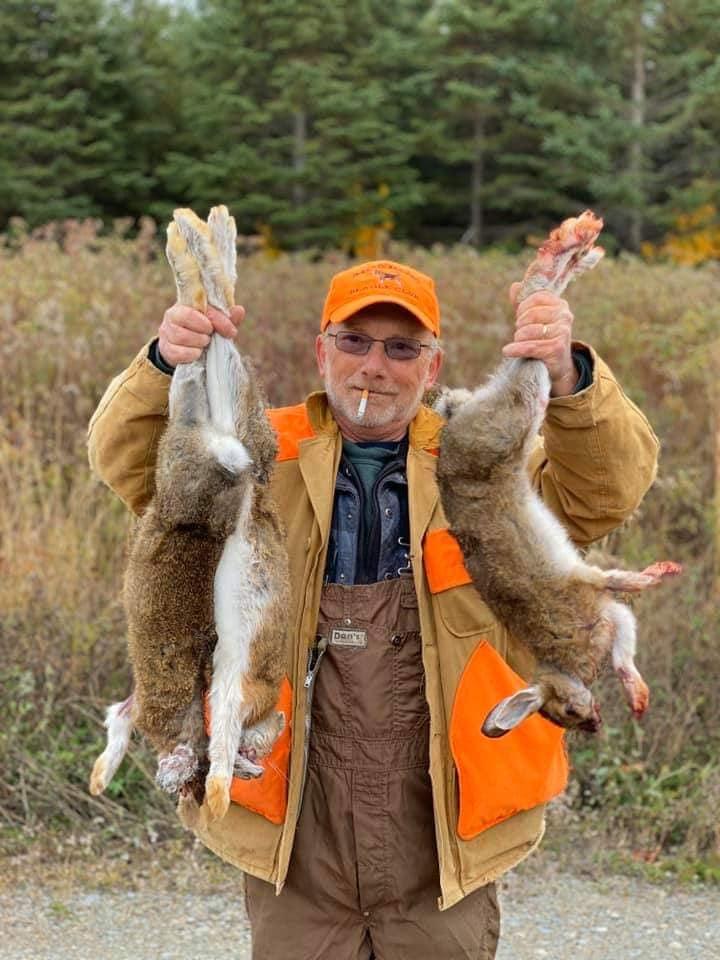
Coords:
548,914
618,918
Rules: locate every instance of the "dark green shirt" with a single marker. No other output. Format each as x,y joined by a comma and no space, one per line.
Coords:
369,460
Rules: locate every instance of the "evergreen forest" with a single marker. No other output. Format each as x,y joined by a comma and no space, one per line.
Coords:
330,125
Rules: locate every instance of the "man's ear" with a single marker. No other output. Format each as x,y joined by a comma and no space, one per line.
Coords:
511,711
433,368
321,353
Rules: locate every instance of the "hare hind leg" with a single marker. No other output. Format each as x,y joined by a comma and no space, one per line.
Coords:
223,233
623,657
259,739
119,723
228,391
229,711
239,609
176,768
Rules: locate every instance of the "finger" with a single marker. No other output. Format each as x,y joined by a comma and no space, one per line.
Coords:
175,355
237,315
182,316
543,332
221,322
514,292
539,349
542,298
183,336
543,314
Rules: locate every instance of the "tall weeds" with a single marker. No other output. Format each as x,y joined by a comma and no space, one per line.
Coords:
74,309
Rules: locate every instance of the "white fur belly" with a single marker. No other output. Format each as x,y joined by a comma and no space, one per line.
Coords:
551,537
239,607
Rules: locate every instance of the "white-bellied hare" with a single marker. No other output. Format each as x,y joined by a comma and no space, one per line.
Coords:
517,553
206,588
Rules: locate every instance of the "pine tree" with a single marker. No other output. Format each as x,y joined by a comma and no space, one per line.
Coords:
73,101
220,150
285,122
638,121
323,124
478,51
142,71
685,93
567,131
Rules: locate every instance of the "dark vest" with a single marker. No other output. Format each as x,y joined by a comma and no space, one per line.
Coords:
357,555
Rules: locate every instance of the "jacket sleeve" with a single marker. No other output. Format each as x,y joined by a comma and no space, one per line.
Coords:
596,459
125,429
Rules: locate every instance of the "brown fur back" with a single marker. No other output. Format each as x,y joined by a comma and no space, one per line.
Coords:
173,557
486,492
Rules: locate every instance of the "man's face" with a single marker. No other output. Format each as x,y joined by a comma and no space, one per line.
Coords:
396,387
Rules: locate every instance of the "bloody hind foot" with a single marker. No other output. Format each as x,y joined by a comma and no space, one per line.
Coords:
176,768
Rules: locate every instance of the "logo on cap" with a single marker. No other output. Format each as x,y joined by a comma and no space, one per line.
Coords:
385,275
381,281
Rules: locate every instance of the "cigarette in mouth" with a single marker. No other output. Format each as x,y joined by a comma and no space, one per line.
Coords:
362,406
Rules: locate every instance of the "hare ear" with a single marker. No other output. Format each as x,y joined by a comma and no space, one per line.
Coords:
511,711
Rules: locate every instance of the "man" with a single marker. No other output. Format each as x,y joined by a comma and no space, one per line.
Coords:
378,848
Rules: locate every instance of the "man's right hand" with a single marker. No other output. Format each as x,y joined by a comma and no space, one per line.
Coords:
184,332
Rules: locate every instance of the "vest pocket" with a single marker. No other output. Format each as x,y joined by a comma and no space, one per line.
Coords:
500,777
458,605
463,612
267,795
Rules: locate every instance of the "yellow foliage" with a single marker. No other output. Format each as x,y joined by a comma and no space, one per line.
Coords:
368,241
268,242
695,239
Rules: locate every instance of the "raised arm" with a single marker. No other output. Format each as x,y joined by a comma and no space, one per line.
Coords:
125,429
597,457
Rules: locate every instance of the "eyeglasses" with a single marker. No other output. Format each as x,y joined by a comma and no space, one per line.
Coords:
396,348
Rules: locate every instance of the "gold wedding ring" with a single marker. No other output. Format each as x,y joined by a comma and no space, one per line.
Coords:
544,333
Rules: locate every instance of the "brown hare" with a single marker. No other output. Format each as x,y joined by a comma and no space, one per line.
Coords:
206,587
517,553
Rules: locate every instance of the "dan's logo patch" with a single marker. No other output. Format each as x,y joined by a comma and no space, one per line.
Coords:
348,637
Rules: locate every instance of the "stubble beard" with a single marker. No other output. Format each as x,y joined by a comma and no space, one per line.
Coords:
347,406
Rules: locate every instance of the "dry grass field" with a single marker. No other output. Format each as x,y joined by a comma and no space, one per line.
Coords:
75,308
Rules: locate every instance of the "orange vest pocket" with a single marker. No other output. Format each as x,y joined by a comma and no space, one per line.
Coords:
500,777
443,560
268,794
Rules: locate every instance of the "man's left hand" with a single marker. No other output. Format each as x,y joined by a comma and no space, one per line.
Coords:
543,330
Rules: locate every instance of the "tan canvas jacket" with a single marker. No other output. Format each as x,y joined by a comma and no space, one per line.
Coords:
596,460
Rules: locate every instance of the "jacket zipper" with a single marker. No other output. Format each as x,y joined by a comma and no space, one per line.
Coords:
314,658
313,665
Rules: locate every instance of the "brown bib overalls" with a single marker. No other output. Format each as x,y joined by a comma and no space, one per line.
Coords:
363,877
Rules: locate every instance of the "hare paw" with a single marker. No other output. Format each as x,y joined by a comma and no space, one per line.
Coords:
176,768
245,767
259,739
217,796
98,778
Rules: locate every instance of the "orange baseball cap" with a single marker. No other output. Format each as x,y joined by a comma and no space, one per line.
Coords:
382,281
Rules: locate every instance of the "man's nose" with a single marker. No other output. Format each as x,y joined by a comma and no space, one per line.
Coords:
374,361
